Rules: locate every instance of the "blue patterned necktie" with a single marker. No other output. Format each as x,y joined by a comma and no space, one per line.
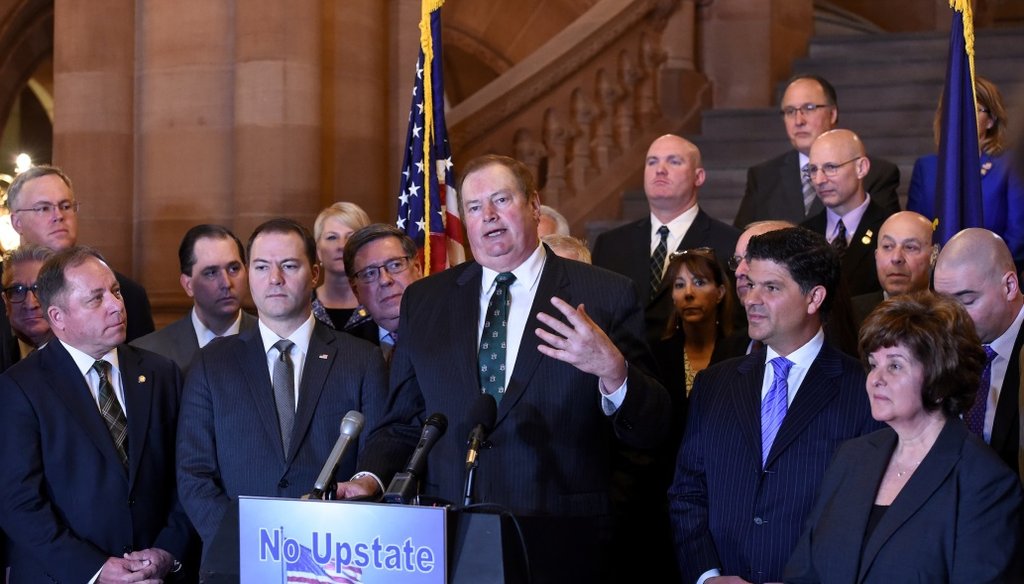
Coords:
975,417
110,409
658,260
774,405
839,243
494,339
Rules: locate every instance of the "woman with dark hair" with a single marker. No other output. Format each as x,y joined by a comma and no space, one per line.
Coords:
923,500
1002,188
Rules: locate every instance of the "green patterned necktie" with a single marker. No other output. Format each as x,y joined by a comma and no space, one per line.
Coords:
494,339
658,259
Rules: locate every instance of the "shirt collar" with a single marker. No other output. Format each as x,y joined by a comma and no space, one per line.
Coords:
299,336
527,273
680,224
205,335
851,220
805,355
1003,345
84,361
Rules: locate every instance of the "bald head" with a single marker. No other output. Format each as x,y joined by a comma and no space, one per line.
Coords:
673,172
977,268
755,228
840,153
905,253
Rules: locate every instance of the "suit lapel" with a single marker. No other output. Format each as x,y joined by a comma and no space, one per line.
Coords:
747,400
252,361
64,378
862,244
818,388
138,396
463,330
1006,416
928,477
858,496
793,188
319,358
553,282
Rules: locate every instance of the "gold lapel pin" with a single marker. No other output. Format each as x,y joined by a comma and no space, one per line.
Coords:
142,379
866,240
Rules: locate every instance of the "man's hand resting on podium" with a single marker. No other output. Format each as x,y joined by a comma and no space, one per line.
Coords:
360,487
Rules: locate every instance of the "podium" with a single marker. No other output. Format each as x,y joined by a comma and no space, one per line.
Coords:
266,540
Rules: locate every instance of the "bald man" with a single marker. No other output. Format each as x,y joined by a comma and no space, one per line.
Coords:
837,167
977,268
904,260
673,174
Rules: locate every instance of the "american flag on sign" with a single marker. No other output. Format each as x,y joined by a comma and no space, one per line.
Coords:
305,570
427,204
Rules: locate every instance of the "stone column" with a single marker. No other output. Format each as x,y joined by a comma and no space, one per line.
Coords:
93,125
184,171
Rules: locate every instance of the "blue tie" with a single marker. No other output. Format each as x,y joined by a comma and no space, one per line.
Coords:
774,405
975,416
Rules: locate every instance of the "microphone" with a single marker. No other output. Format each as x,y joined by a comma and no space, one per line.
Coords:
482,416
351,426
403,487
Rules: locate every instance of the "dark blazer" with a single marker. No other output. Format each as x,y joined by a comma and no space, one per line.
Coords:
68,502
1005,439
727,512
958,518
178,342
858,265
10,351
552,445
229,441
136,307
775,190
626,250
862,305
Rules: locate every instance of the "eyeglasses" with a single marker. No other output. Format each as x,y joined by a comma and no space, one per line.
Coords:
18,292
47,208
371,274
701,251
734,262
806,109
830,169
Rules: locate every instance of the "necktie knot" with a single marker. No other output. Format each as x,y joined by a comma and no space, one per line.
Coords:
284,348
781,367
504,279
663,232
102,367
990,353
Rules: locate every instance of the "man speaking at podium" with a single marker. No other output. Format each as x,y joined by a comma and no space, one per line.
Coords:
563,356
261,409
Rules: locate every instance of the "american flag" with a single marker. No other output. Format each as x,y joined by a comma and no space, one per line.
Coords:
426,199
305,570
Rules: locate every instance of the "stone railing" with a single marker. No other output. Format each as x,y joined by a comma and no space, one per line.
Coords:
581,111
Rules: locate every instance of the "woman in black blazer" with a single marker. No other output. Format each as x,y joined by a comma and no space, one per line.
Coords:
924,500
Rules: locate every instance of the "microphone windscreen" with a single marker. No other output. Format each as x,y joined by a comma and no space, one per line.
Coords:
438,420
484,412
352,423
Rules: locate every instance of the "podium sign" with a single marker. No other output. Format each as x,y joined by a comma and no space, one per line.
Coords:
288,540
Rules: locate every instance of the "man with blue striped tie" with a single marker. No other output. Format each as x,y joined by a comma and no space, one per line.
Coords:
763,427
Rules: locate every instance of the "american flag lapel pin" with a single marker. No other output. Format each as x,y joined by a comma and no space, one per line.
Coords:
323,355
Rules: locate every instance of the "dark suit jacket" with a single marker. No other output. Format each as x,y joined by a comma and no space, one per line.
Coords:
957,519
10,351
178,342
775,190
68,502
626,250
229,441
1005,439
858,266
862,305
727,512
552,445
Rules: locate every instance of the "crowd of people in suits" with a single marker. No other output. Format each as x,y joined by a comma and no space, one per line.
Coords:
817,393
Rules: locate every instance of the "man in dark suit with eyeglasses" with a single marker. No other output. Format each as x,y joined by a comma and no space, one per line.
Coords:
775,188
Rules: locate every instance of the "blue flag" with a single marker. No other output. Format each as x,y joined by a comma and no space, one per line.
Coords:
958,184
